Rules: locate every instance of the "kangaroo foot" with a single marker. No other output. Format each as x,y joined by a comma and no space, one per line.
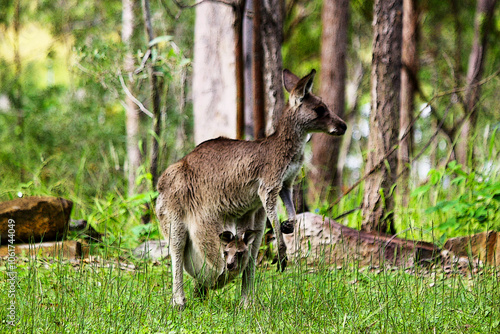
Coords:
280,259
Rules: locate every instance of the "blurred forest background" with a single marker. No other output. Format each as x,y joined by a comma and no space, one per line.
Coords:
97,98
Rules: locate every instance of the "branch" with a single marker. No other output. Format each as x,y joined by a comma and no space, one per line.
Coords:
132,97
169,13
143,62
225,2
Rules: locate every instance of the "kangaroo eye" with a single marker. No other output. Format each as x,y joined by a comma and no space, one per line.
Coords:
320,111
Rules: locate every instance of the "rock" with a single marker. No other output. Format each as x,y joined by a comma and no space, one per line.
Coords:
483,246
69,249
36,219
152,250
322,240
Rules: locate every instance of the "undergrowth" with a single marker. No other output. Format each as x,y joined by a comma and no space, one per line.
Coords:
110,296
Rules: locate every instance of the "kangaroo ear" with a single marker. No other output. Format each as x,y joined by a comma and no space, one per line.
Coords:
304,85
226,237
249,236
290,80
301,89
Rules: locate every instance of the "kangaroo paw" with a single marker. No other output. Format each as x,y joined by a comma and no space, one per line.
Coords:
287,227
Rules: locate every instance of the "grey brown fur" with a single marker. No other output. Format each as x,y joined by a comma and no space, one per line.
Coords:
235,254
225,182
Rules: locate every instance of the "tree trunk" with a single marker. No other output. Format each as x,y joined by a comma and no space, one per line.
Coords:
259,116
409,72
378,200
214,79
247,50
156,86
324,180
240,69
132,111
482,26
272,39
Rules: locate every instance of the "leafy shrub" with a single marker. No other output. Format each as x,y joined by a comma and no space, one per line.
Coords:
472,201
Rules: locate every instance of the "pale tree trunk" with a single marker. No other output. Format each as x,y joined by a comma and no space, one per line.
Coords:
409,72
324,181
132,111
482,26
214,79
378,200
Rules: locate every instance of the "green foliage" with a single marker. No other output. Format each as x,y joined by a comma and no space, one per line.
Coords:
118,219
72,140
472,204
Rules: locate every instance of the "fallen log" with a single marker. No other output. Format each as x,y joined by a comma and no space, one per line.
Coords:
484,247
320,240
69,249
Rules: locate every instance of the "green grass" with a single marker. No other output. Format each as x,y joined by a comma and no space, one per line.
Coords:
64,297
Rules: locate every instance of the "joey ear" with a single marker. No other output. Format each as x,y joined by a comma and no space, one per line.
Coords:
290,80
304,86
226,237
249,236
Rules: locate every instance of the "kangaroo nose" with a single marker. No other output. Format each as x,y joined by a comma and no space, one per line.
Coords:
342,128
230,266
338,129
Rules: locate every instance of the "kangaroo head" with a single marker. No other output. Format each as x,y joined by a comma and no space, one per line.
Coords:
310,112
235,248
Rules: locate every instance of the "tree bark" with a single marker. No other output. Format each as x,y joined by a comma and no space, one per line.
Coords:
482,26
258,75
247,50
156,86
409,72
323,177
214,79
131,109
272,39
378,200
239,9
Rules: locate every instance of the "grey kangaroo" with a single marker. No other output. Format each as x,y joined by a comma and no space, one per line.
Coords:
238,182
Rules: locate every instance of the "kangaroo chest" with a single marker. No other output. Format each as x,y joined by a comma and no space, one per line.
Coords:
293,168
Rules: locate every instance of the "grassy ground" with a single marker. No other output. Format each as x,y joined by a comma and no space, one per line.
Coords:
106,297
109,297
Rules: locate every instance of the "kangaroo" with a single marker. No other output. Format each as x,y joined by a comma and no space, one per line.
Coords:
208,269
225,180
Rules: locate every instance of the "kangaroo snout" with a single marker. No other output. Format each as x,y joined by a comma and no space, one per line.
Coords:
338,128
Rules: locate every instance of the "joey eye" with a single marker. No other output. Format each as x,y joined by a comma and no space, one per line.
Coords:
225,253
320,111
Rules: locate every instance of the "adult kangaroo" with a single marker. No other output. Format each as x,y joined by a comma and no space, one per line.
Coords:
225,182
